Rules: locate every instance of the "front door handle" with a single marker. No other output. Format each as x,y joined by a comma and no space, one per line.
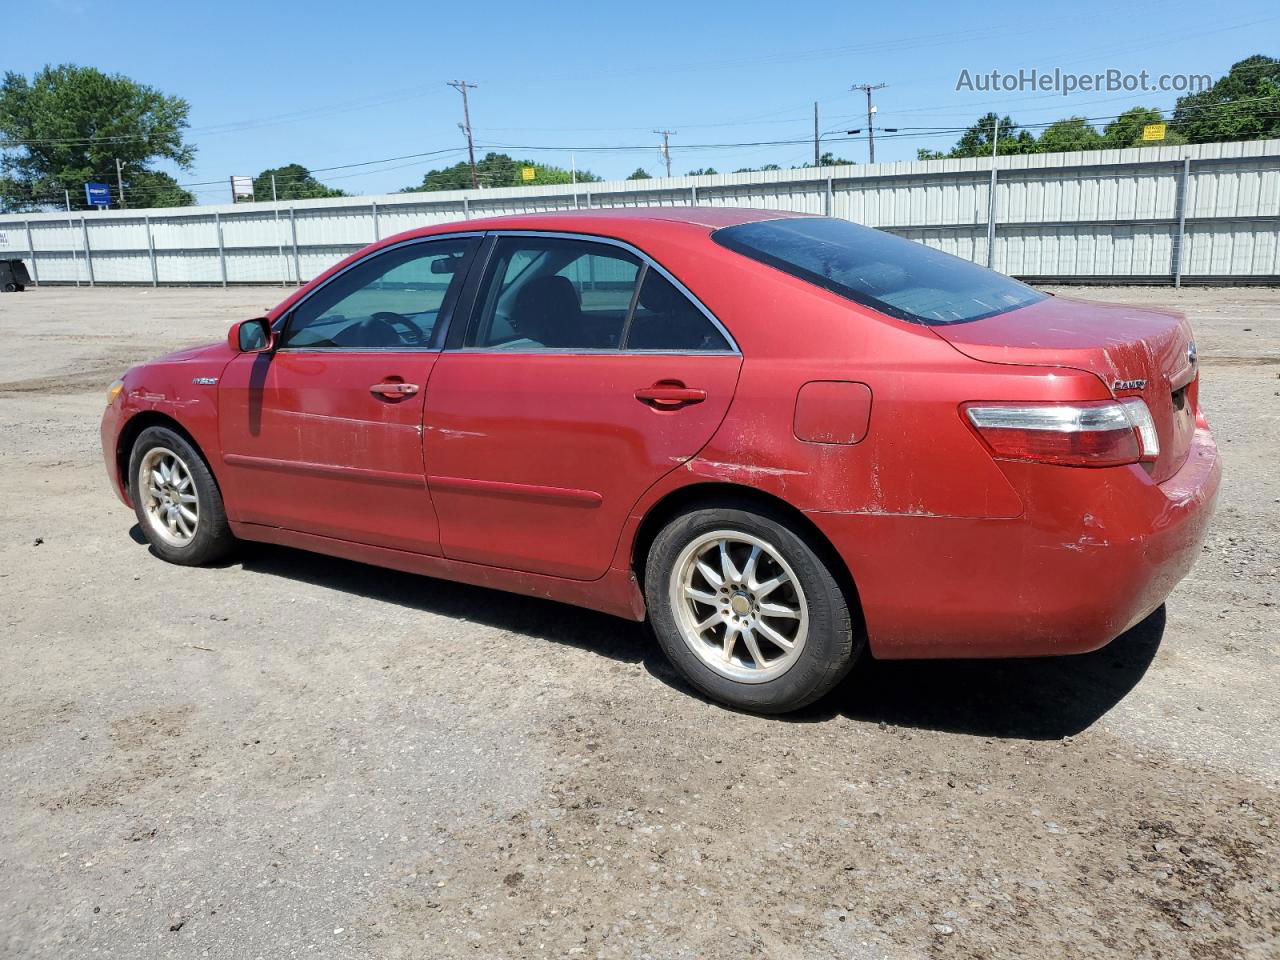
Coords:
670,394
394,388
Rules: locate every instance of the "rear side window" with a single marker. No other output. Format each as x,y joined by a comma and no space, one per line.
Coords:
665,319
901,278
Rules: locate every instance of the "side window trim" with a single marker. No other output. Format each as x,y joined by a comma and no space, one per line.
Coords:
447,307
625,336
478,274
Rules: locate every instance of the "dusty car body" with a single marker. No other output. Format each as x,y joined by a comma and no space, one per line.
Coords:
980,470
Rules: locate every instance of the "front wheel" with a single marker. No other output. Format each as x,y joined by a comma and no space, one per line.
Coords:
177,501
747,610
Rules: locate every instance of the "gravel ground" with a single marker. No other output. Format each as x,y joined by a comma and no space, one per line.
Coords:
296,756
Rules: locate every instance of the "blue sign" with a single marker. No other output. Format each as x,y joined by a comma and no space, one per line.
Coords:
97,194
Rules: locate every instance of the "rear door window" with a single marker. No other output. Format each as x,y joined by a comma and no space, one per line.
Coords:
562,293
553,293
901,278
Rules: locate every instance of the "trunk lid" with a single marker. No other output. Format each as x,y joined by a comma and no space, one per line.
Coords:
1123,345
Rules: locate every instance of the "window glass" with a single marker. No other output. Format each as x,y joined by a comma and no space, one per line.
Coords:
666,319
899,277
545,293
390,302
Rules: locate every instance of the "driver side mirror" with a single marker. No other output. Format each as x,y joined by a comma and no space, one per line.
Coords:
251,336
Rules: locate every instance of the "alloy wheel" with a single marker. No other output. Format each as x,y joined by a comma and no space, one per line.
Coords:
169,498
739,606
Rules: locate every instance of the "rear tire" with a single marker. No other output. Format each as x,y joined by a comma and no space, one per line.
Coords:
11,288
747,610
176,499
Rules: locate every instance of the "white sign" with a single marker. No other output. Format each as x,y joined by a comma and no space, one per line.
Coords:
241,189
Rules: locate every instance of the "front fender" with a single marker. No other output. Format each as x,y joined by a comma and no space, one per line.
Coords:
184,392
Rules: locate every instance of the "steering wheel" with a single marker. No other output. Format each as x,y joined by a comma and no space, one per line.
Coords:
412,333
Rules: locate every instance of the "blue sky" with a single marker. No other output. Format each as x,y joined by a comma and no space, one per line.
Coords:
326,84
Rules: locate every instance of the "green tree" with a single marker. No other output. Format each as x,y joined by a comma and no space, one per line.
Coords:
1126,130
153,188
640,173
976,140
293,182
1243,105
702,172
827,159
68,125
1074,133
763,167
497,170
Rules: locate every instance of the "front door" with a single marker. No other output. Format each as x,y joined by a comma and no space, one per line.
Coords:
324,434
584,377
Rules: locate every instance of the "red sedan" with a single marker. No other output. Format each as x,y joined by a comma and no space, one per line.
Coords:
776,437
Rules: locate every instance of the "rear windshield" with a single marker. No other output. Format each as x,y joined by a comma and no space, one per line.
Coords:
899,277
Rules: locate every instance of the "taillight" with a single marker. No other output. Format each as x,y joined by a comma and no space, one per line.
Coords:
1105,433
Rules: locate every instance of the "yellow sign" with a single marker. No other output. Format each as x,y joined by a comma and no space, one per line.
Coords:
1153,131
528,173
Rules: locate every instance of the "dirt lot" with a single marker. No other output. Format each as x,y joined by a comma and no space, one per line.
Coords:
297,756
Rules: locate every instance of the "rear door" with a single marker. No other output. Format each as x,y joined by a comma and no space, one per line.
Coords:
585,375
324,434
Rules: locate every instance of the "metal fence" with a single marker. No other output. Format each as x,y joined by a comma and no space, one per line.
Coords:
1208,213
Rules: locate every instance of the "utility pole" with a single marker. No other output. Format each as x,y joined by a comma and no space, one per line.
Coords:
462,86
666,147
871,137
120,181
991,198
817,157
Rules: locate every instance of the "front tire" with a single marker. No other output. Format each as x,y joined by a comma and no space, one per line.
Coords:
747,610
176,499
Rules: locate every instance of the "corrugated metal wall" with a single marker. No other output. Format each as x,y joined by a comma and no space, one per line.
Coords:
1205,211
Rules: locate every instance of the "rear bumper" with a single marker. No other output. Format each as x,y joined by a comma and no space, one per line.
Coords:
1094,553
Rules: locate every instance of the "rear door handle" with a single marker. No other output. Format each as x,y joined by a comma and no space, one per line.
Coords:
669,395
394,388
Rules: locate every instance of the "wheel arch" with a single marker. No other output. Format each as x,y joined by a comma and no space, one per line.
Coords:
697,496
133,428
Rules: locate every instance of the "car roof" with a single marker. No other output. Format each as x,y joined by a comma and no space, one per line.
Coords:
618,218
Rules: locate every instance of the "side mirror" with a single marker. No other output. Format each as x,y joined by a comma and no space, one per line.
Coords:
251,336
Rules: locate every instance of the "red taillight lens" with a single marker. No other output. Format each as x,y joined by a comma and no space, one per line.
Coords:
1101,434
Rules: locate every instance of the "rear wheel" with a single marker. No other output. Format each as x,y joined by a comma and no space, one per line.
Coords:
11,287
747,610
178,504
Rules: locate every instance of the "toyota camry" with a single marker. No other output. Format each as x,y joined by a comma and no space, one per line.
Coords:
777,438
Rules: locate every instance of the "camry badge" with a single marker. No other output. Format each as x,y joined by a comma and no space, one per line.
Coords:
205,381
1129,385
